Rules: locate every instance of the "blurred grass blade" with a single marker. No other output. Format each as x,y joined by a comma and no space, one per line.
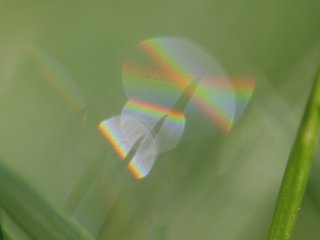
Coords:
298,168
61,81
1,225
32,213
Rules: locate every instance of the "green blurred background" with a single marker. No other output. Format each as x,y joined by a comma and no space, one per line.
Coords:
219,187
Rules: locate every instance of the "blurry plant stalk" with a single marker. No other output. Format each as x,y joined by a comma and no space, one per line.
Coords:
297,170
32,213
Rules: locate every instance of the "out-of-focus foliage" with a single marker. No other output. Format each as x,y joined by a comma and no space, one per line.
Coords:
221,187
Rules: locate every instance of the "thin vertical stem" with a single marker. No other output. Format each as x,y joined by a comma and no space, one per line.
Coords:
297,171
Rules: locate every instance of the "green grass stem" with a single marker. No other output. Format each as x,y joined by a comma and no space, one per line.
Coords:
297,170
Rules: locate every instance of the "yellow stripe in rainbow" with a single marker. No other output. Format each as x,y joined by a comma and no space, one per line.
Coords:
166,62
114,137
161,56
241,88
159,52
150,85
243,92
146,108
59,79
214,109
135,170
209,108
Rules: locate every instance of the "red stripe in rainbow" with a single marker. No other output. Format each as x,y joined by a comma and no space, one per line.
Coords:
223,121
113,138
134,169
159,55
151,109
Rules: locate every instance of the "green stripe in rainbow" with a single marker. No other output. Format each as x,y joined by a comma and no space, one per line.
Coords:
112,133
241,88
167,63
148,109
162,56
150,85
166,124
170,68
209,99
211,109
